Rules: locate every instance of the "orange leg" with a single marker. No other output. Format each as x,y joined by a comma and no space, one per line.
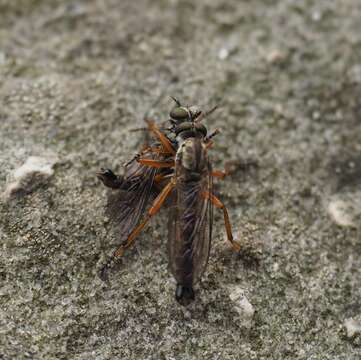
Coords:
156,149
159,151
158,202
167,145
212,135
145,149
155,163
209,144
208,140
219,174
161,177
229,168
218,204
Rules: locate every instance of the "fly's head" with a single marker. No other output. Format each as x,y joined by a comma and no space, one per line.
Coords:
184,120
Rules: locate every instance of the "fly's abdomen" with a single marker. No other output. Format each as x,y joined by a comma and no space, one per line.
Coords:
190,217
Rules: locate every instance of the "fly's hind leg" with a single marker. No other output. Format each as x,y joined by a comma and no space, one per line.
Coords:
218,204
158,202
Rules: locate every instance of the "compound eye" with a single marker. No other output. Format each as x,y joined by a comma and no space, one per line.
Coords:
201,128
184,126
179,113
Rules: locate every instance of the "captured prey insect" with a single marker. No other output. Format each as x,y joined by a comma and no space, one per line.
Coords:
175,166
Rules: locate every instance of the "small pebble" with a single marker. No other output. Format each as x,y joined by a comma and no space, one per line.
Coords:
276,57
33,172
352,327
223,54
340,213
241,304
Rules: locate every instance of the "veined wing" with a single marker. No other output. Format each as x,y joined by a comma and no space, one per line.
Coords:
126,206
190,230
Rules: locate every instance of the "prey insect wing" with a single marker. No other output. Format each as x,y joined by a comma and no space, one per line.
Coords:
127,205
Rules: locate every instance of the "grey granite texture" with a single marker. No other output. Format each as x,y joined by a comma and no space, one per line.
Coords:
77,76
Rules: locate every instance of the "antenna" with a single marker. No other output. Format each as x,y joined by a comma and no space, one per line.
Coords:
176,101
203,115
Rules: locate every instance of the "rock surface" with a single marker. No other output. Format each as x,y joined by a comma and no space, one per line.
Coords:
77,76
33,173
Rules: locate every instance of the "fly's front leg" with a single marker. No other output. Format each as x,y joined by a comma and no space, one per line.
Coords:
208,139
219,174
109,179
166,143
212,135
233,166
218,204
146,149
156,163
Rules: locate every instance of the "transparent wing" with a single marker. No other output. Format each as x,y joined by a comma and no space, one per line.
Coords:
126,206
190,230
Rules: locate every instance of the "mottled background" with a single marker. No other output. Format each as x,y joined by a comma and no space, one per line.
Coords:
76,76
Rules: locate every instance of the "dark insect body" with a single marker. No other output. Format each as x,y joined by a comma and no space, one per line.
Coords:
175,166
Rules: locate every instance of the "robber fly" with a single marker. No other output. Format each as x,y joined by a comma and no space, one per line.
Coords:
176,167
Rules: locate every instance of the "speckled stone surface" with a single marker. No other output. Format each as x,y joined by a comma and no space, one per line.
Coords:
77,76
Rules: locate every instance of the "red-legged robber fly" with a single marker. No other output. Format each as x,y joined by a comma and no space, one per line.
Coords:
175,166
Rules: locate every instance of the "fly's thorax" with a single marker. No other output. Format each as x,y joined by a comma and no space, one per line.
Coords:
191,157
